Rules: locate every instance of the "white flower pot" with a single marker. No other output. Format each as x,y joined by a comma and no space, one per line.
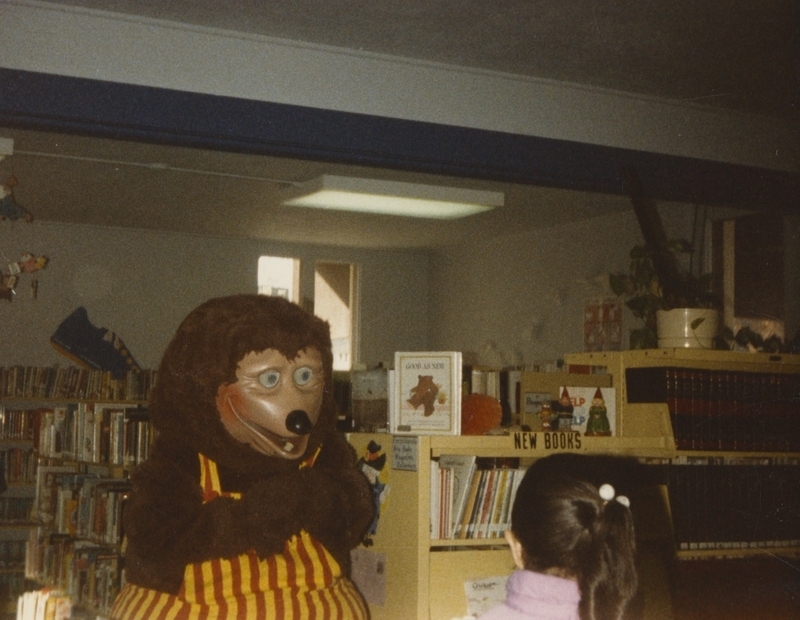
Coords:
687,328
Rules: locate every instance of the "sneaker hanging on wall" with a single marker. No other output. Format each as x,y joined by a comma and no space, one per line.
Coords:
97,348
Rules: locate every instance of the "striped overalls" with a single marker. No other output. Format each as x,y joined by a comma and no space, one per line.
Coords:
304,581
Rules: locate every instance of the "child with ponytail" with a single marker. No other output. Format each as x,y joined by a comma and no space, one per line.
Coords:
573,541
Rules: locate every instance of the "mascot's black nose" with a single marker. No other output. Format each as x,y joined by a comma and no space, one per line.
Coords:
298,422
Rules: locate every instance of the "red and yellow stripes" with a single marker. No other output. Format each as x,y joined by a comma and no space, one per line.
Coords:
304,581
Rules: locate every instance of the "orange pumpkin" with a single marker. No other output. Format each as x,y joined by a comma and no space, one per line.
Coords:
480,413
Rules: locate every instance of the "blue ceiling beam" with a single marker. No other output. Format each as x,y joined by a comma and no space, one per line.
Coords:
129,112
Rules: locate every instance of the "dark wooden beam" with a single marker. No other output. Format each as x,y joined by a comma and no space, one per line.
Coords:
129,112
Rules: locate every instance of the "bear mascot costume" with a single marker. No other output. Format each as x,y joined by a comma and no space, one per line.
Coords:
251,499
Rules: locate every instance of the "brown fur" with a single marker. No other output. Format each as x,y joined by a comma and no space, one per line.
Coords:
167,524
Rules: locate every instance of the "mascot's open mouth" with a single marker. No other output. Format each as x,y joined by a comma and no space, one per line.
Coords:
262,438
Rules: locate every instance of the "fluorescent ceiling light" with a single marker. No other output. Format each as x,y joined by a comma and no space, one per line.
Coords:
391,197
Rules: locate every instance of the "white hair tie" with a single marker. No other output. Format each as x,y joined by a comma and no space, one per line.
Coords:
607,493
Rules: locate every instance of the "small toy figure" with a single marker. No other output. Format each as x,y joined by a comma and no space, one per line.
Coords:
563,411
10,209
547,416
371,465
7,284
28,263
598,425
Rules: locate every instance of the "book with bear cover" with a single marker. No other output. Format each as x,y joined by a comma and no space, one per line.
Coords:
427,393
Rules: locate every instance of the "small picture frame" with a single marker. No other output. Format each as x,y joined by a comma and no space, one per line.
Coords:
427,393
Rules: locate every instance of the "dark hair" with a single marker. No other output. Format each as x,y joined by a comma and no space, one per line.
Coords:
564,525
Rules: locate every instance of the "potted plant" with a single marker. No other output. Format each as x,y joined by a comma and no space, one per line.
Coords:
687,299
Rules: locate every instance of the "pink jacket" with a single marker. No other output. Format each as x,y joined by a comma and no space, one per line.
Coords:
535,596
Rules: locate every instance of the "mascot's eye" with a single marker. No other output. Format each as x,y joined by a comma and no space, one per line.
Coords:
269,379
303,375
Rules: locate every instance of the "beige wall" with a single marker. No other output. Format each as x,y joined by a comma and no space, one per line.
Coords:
517,298
141,284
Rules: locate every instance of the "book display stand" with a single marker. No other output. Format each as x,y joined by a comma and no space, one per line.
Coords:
420,565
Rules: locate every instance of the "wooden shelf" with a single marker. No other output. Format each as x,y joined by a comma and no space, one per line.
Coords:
537,444
481,542
23,402
103,470
734,360
742,552
424,577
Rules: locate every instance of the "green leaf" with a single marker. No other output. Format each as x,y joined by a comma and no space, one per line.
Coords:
643,338
681,246
697,322
619,283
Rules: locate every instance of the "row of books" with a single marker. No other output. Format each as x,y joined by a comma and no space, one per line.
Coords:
505,385
88,506
73,383
14,509
88,573
46,604
745,460
19,465
559,365
107,433
723,410
471,498
17,424
425,390
501,384
734,506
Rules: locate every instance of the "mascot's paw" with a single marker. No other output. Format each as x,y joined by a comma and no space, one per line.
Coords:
310,500
271,517
328,515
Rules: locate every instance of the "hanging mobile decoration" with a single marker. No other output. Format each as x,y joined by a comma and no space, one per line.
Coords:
10,209
28,263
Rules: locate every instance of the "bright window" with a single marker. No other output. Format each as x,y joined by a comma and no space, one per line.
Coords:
279,277
334,294
334,298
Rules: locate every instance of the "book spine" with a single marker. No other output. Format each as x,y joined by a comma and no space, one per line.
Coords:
474,487
683,409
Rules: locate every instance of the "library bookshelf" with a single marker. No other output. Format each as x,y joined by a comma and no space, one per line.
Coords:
733,420
16,502
423,576
69,437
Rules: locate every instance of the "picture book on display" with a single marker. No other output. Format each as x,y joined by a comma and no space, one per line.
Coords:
426,393
593,410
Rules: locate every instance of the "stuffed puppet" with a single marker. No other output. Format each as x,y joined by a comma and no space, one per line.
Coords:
251,500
